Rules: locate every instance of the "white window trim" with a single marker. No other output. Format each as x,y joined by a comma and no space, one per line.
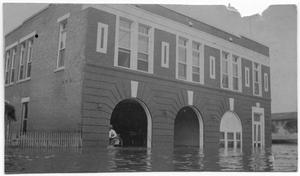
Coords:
59,20
200,51
13,60
11,46
266,82
212,64
134,42
165,53
29,58
239,73
27,37
104,27
229,69
20,63
25,99
7,59
247,77
62,18
259,79
261,111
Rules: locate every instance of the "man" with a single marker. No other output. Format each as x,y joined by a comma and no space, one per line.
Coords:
112,134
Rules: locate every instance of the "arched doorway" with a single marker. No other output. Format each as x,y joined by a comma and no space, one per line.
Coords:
132,120
188,128
230,131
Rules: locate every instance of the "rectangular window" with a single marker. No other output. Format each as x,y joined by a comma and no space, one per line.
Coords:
247,77
143,48
225,70
266,82
102,33
212,70
196,61
182,58
124,48
257,79
235,73
7,63
62,43
22,60
12,68
165,54
29,58
24,124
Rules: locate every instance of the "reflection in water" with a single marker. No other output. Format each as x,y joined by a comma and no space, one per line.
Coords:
280,158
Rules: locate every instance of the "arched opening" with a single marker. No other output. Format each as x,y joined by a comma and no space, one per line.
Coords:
230,131
132,121
188,128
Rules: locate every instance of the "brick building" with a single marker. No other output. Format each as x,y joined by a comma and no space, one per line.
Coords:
159,77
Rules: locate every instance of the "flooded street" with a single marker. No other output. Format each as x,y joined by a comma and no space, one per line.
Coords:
282,157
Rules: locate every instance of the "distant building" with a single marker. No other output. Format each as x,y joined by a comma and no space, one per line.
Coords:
159,77
284,127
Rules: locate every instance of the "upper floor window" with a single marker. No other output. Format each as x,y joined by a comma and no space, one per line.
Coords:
143,48
236,75
102,33
256,79
182,58
62,43
12,68
225,70
124,48
22,60
165,54
212,67
7,63
247,77
196,61
266,82
29,58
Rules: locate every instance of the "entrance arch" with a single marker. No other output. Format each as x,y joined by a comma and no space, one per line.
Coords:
188,128
132,120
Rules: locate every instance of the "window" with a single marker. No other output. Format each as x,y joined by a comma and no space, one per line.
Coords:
62,43
225,70
102,38
143,48
22,60
24,124
165,54
236,72
247,77
196,62
212,71
7,60
258,127
124,48
29,58
256,79
266,82
182,58
12,68
230,132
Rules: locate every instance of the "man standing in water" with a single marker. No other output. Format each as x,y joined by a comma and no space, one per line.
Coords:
112,134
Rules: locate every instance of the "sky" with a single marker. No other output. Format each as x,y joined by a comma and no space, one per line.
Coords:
275,26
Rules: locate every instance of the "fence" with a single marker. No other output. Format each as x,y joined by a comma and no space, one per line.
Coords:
46,139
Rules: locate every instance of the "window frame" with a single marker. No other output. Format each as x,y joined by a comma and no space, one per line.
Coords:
186,57
135,22
24,113
21,62
247,77
29,57
212,67
60,21
198,51
165,54
7,64
101,41
228,69
146,35
266,82
239,75
12,67
259,81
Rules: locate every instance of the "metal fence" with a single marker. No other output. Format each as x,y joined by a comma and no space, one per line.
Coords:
46,139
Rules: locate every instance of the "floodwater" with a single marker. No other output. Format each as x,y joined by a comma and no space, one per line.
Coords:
281,157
